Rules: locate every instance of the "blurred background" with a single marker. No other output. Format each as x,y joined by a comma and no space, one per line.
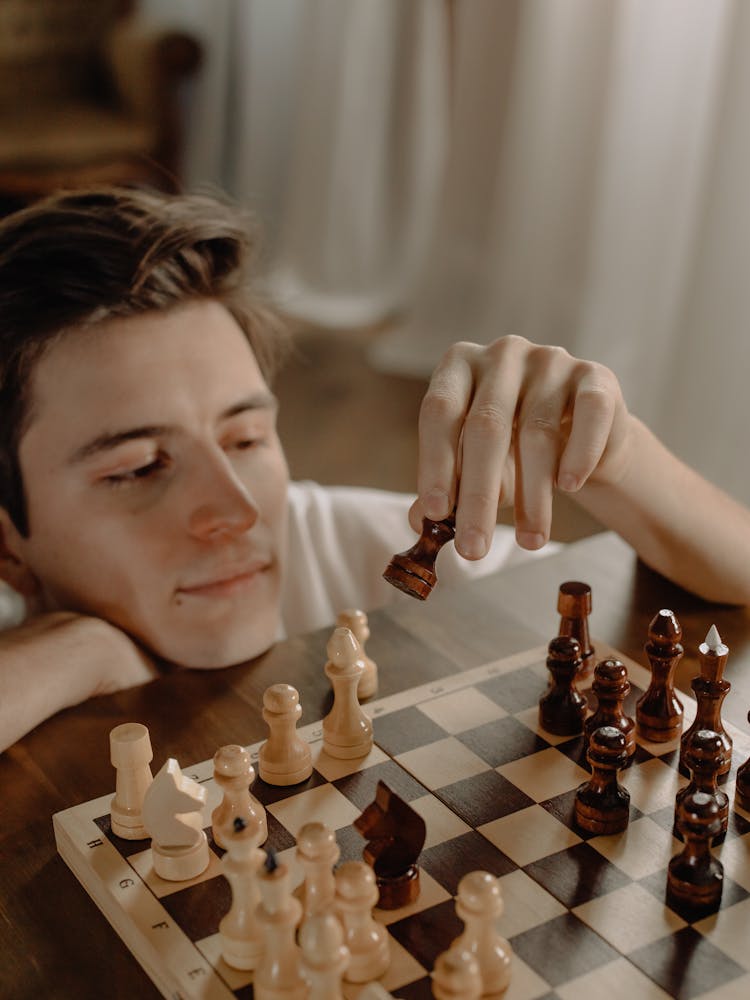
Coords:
426,171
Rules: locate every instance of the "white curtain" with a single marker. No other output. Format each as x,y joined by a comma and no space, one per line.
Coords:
603,207
583,184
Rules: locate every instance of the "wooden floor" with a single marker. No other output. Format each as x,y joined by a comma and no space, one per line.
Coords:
341,422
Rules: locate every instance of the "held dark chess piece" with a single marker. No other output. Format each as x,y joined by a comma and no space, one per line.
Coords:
562,708
413,571
574,607
710,691
611,686
704,754
602,805
695,877
658,712
395,836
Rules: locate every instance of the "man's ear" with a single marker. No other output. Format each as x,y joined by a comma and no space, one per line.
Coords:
13,568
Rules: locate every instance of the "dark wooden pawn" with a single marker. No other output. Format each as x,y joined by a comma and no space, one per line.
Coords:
562,708
602,805
695,878
703,756
574,607
413,571
611,686
658,712
710,691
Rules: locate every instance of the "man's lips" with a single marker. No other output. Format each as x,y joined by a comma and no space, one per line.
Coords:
226,581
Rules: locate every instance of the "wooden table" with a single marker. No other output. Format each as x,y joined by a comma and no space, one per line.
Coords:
53,940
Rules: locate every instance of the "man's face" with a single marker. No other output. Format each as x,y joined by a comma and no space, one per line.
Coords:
156,484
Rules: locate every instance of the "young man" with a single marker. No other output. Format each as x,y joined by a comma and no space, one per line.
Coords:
146,512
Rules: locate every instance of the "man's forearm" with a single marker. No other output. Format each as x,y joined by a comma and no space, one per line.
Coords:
680,524
60,659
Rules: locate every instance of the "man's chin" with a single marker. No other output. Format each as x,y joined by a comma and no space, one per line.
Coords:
204,654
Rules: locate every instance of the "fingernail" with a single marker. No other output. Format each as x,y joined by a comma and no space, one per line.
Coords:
567,482
530,539
472,544
436,504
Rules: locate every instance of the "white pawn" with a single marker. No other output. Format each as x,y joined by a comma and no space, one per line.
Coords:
324,956
130,753
234,773
317,852
172,814
279,972
456,976
367,940
285,758
357,621
347,731
239,930
479,904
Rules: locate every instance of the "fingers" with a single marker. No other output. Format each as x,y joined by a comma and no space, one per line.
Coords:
511,416
441,419
539,433
486,443
595,405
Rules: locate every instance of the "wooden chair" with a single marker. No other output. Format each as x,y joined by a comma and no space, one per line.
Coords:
88,94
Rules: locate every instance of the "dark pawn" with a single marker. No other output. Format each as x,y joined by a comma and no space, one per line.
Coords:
695,877
602,805
611,686
413,571
658,712
710,690
574,607
703,756
563,707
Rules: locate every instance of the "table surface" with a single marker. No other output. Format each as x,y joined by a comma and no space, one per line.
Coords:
53,940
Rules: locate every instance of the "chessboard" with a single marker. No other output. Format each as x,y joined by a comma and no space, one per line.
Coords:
584,914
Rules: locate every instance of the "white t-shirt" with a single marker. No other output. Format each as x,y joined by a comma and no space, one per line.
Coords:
341,538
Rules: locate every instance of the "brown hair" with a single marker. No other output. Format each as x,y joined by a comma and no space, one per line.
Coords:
77,258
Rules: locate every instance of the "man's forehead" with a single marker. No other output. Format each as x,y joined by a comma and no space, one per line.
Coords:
147,370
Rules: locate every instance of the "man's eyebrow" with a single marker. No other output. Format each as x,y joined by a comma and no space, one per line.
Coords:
111,439
107,441
258,401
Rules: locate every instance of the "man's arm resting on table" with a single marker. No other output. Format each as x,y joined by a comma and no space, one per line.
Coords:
679,523
60,659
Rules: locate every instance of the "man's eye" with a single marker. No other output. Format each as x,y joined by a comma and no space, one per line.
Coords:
243,444
132,475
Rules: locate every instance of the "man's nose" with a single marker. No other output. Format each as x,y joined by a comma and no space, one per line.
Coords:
224,507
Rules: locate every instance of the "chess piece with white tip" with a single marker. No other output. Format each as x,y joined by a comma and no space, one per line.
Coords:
347,731
279,972
234,773
317,852
131,754
367,940
172,814
324,956
456,976
710,690
356,620
239,930
285,758
479,904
